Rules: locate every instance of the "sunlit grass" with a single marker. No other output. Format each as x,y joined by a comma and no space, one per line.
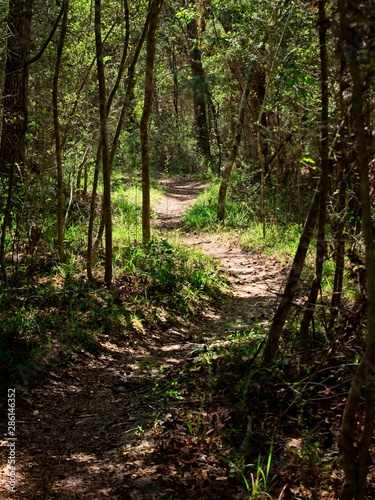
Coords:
172,275
202,215
280,242
127,213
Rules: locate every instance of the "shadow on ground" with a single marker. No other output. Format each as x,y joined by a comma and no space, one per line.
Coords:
110,423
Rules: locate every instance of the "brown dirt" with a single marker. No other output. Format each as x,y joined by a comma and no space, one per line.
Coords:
88,428
254,280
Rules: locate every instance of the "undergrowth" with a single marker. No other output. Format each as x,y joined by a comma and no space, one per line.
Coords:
202,215
154,286
51,305
273,433
281,239
282,235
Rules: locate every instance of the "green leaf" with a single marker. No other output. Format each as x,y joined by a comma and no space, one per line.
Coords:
307,159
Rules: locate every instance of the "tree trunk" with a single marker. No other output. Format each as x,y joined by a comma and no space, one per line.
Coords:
14,103
147,103
107,210
130,83
172,60
199,90
91,249
321,246
217,134
234,149
293,281
56,126
356,452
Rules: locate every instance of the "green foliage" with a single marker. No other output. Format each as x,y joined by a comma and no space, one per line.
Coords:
202,215
256,483
172,275
281,241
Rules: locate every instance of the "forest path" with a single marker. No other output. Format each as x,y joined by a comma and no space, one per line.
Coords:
110,423
254,279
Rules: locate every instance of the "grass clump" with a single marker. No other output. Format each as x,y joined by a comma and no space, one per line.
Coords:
171,276
281,239
127,213
202,215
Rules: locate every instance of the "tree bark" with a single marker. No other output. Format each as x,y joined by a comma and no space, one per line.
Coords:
14,102
107,209
56,126
234,149
356,452
145,119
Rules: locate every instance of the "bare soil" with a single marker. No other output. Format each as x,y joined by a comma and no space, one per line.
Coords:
88,426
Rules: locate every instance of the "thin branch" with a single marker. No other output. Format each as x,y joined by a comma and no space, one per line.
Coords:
46,43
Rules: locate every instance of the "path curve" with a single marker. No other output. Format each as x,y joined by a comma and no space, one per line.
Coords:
85,429
255,281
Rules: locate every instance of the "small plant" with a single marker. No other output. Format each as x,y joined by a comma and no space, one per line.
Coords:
166,392
172,392
139,430
193,422
258,483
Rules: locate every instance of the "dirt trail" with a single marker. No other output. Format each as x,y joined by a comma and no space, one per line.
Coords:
86,428
180,194
255,281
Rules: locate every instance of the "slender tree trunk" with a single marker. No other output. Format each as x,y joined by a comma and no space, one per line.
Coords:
217,134
14,103
90,246
176,95
6,220
356,452
145,119
321,247
107,209
293,281
234,149
56,126
130,84
82,172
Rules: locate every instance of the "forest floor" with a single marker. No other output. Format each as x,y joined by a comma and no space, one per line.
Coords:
132,420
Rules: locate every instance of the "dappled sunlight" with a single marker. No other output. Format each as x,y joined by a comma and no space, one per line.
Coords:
158,411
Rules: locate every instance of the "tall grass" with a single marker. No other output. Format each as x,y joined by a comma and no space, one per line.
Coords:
281,240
